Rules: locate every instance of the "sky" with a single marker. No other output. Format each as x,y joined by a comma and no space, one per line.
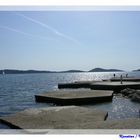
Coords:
64,40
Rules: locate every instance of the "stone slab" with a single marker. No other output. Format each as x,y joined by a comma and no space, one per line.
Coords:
131,79
115,86
75,97
67,117
127,123
82,84
76,84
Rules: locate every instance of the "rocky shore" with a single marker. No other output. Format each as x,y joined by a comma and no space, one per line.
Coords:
133,94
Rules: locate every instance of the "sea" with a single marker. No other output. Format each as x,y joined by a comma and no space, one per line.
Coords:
17,92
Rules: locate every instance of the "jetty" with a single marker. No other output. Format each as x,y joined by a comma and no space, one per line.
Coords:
76,84
115,86
130,79
67,117
75,97
39,120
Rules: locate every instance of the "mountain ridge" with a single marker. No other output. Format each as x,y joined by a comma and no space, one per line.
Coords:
104,70
15,71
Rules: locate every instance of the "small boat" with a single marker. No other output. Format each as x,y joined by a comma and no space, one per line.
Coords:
3,73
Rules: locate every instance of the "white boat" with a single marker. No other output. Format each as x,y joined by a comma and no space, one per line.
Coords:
3,73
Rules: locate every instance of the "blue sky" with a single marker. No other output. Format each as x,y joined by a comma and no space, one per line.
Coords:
62,40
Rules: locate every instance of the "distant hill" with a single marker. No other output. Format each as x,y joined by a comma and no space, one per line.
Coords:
11,71
137,70
104,70
69,71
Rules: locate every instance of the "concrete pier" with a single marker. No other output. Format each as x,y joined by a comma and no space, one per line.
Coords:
115,86
75,97
127,123
67,117
78,84
130,79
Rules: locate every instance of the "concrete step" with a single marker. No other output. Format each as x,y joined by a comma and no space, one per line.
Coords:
115,86
131,79
66,117
75,97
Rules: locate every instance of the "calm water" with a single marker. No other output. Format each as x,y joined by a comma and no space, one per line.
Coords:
17,92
